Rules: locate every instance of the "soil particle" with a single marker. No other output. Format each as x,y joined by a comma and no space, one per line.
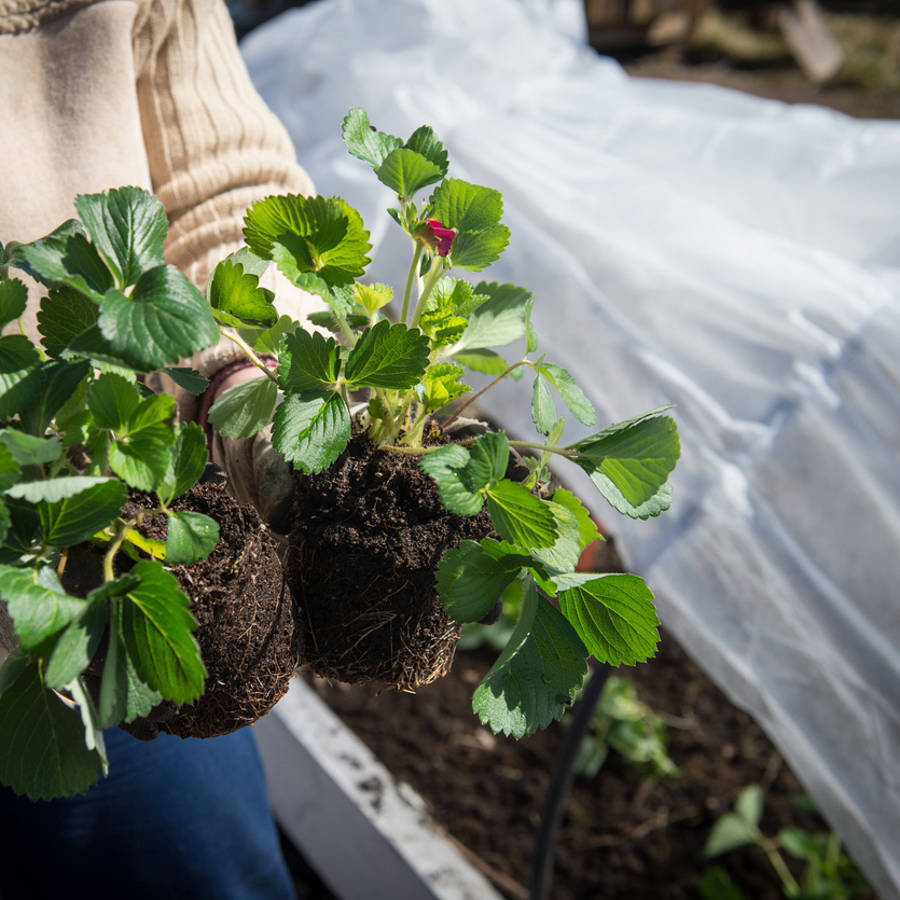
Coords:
369,533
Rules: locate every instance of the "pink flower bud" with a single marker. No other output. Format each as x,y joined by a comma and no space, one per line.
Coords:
441,238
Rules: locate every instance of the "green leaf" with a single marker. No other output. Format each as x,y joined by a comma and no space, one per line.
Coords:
469,581
563,554
9,468
423,140
65,258
466,207
543,409
500,320
244,409
519,517
405,171
485,361
192,536
52,490
730,832
75,518
187,378
128,226
538,674
93,732
64,314
37,612
141,455
319,235
657,504
29,450
476,251
572,395
444,318
112,400
749,804
441,384
156,627
123,696
444,466
238,298
13,299
716,884
800,843
488,460
187,461
20,376
365,142
311,430
636,456
388,356
164,320
59,381
372,297
613,615
269,341
77,644
309,361
587,527
42,749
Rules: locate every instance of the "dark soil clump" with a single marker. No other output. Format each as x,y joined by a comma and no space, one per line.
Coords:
368,535
246,625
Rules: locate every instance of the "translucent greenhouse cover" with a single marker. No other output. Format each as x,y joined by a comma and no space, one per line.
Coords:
688,244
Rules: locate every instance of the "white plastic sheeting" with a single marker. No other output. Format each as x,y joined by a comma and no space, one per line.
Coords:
687,244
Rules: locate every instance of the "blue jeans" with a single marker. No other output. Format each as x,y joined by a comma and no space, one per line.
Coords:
175,818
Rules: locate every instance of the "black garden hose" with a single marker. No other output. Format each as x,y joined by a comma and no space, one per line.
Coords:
561,784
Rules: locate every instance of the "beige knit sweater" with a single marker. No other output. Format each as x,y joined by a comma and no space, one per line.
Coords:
104,93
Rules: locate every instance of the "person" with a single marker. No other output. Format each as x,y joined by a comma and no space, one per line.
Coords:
153,94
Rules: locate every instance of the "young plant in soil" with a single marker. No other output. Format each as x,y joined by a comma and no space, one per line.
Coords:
406,526
98,489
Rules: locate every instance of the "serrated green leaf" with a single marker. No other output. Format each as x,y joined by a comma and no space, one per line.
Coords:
52,490
636,456
156,627
538,674
9,467
423,140
444,466
500,320
365,142
189,379
572,395
441,384
20,376
730,832
244,409
141,454
13,299
311,430
587,527
563,554
112,399
237,297
488,460
468,208
77,644
59,381
38,612
75,518
613,614
128,226
93,732
29,450
749,804
164,320
187,461
65,258
269,341
308,361
405,171
519,517
123,696
64,314
320,236
657,504
469,581
476,251
42,749
486,361
192,536
372,297
388,356
543,409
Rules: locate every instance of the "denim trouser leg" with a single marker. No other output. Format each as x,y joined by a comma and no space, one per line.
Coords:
175,818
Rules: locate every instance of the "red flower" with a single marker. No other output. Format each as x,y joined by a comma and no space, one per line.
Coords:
440,238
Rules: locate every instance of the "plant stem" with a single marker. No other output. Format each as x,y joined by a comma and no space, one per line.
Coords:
121,530
431,279
232,335
778,864
543,447
484,390
410,279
